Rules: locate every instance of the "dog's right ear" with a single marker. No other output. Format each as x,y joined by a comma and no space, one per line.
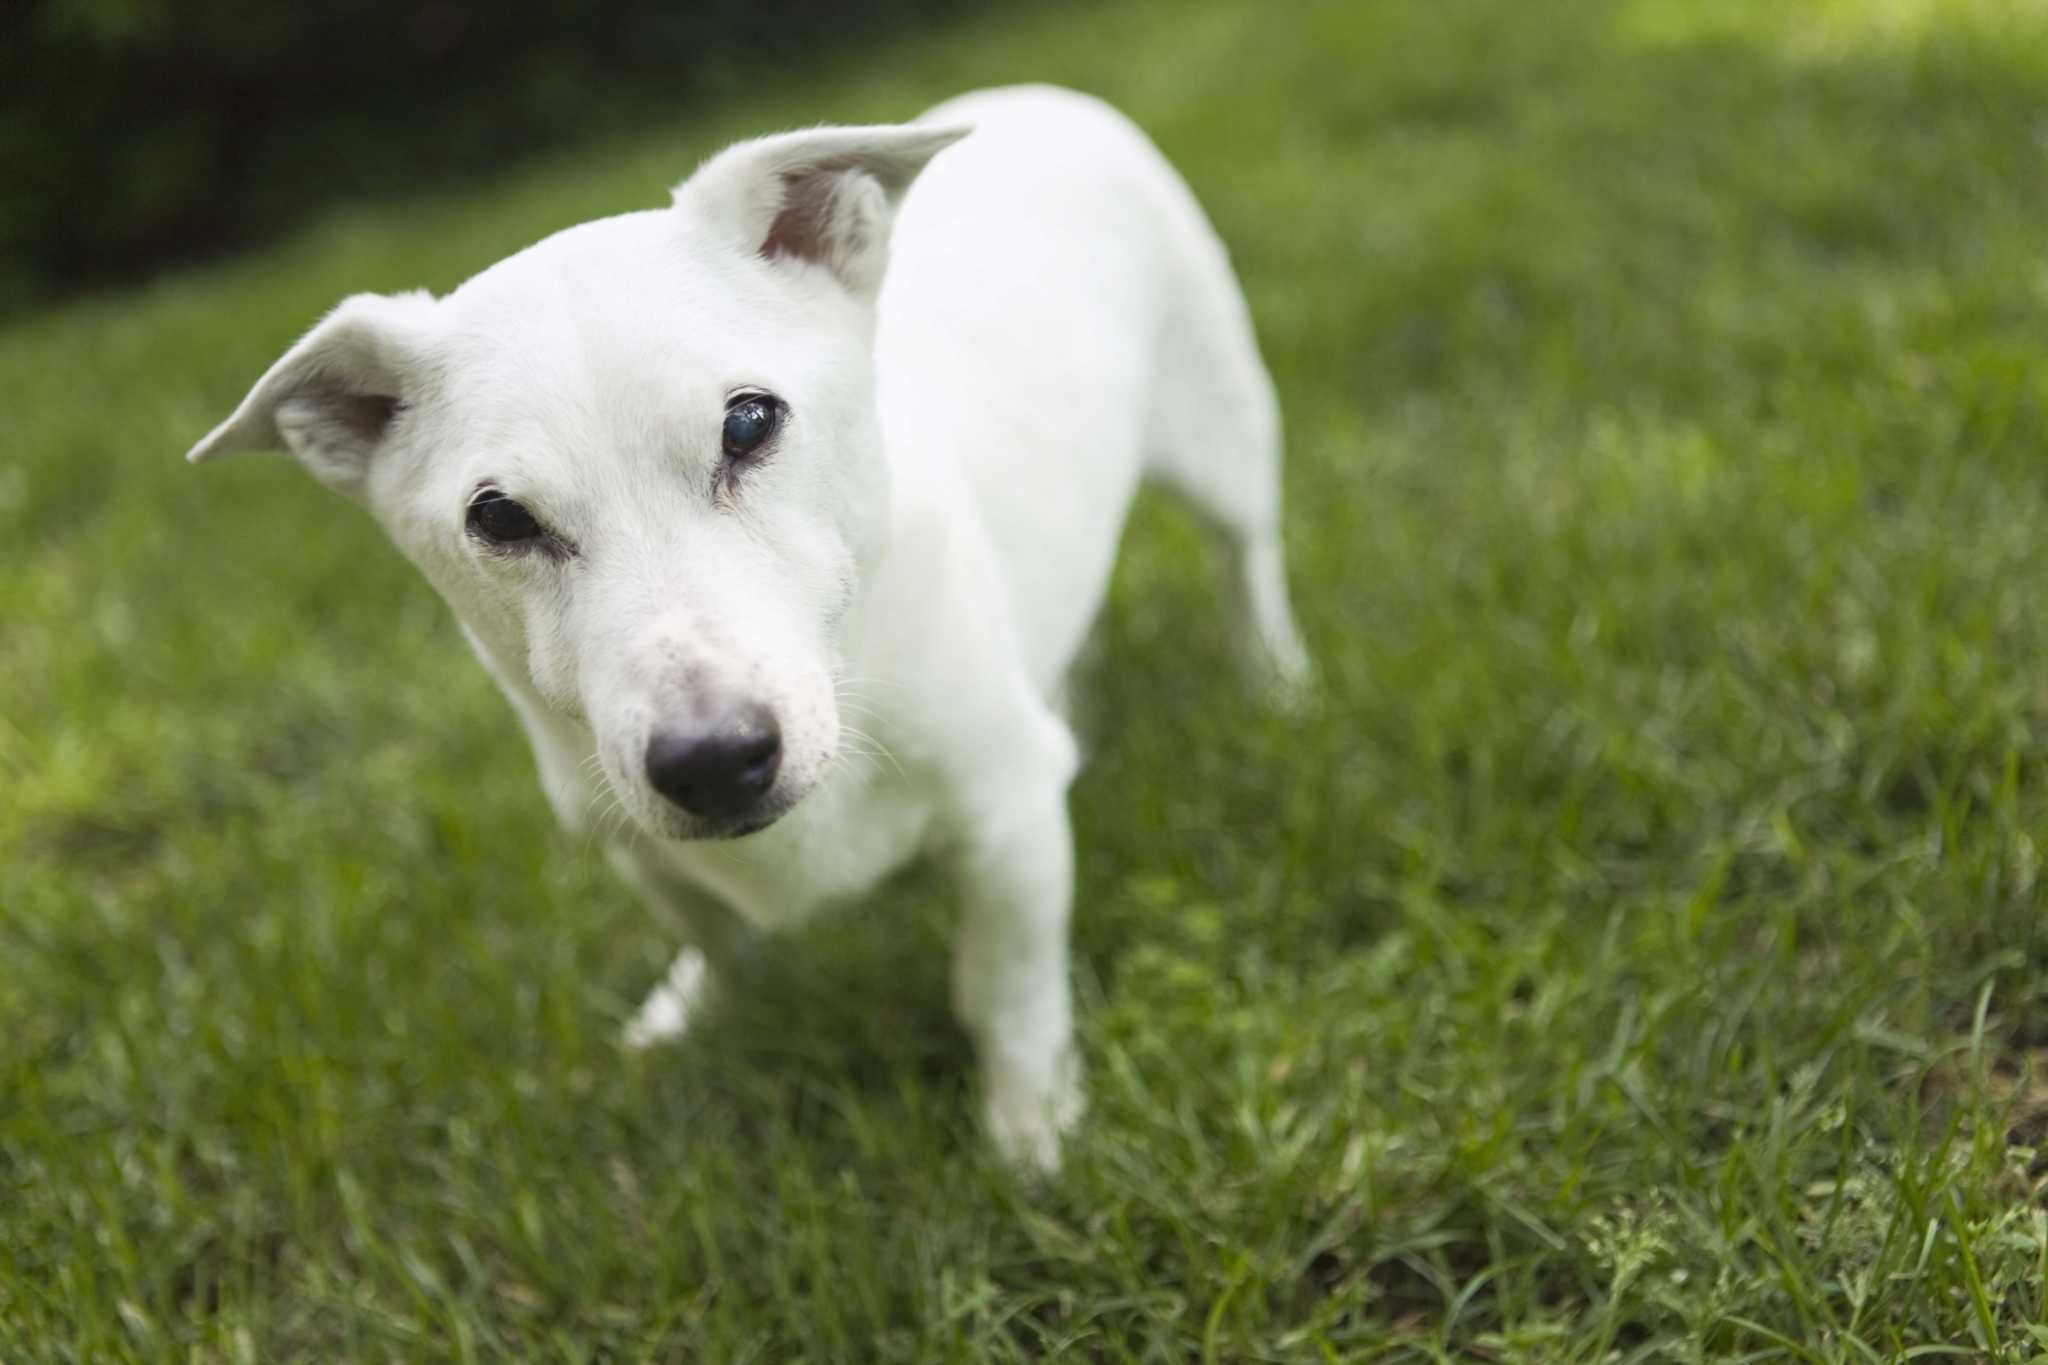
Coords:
331,398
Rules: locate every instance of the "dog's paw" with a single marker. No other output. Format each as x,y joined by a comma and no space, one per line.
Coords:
1029,1109
670,1008
1278,671
1289,691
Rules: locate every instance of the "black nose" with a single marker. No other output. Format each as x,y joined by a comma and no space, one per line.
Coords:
719,769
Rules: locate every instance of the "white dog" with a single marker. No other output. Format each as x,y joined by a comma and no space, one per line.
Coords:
840,433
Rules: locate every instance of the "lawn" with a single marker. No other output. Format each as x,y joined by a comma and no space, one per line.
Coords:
1638,954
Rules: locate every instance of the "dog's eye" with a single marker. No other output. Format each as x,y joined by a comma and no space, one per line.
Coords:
501,521
750,419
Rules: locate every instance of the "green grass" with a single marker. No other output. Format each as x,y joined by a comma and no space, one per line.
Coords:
1641,954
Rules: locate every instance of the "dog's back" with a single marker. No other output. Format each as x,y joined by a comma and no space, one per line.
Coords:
1059,319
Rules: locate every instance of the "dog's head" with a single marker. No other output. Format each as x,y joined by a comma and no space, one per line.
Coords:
641,461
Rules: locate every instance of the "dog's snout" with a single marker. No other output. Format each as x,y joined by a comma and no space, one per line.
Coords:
720,769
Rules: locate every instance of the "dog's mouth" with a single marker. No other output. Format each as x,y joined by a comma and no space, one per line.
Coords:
740,827
662,820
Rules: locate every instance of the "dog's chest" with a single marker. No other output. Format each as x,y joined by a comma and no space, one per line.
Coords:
846,837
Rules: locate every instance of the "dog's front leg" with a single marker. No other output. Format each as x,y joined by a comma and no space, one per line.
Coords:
1010,985
717,937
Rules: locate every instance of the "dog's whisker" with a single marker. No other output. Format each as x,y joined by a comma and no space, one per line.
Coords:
856,691
601,830
882,750
591,815
856,679
848,764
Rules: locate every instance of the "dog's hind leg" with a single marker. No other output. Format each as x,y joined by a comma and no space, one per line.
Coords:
1214,436
1241,507
1275,657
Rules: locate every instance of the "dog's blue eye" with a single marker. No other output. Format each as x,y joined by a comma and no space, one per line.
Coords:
501,521
750,420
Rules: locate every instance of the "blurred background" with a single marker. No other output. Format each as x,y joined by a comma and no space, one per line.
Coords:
140,133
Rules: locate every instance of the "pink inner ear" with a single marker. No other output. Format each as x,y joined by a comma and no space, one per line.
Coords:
365,416
803,226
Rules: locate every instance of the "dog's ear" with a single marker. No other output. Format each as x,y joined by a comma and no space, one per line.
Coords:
825,196
331,398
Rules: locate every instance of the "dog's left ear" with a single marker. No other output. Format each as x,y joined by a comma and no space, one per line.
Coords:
330,399
826,196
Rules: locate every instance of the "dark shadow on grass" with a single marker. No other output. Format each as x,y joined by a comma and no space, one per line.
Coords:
852,1003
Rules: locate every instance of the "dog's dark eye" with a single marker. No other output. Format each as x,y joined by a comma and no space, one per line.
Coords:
501,521
750,419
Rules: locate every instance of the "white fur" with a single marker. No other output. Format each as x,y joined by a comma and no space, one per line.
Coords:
981,357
